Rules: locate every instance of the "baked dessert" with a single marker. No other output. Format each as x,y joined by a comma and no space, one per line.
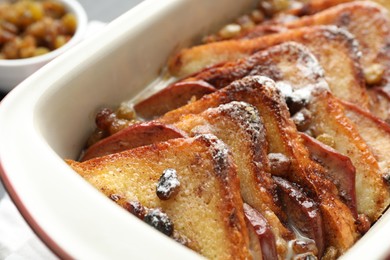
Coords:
292,108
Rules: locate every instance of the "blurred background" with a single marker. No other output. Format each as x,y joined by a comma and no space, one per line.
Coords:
107,10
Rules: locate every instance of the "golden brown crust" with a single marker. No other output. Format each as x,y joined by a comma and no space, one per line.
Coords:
249,116
371,31
207,210
239,125
329,118
289,62
335,49
283,138
375,132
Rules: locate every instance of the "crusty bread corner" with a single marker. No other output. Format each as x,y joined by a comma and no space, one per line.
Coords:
207,210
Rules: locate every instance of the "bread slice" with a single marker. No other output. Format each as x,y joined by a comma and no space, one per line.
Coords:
288,64
283,138
207,209
335,49
329,119
216,75
371,31
240,127
375,132
339,169
291,65
378,198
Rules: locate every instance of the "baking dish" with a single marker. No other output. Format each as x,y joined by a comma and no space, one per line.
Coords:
48,117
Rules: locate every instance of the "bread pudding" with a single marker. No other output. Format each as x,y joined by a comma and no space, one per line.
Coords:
268,145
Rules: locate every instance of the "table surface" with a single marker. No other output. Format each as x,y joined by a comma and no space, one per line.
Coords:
97,10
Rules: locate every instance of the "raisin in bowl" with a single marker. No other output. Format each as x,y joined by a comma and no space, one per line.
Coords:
32,33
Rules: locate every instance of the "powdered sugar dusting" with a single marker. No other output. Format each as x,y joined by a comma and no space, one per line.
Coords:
335,30
306,62
168,184
220,153
247,116
251,82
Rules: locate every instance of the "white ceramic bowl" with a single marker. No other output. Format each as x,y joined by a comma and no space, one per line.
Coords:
12,72
48,117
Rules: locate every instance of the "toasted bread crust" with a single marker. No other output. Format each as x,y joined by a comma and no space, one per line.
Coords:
283,138
239,125
209,190
340,61
287,62
329,118
375,132
371,31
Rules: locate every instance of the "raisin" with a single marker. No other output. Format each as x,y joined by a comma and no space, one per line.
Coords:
302,119
386,177
160,221
295,103
280,164
168,184
135,208
363,223
104,118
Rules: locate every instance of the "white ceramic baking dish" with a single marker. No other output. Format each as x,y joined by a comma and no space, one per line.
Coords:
48,117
